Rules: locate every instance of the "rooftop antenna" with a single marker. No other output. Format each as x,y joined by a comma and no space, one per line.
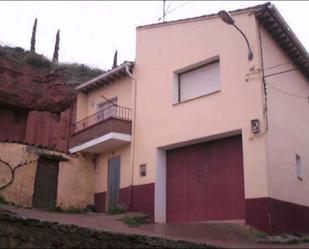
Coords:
164,11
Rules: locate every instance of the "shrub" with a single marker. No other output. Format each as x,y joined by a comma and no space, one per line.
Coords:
38,60
116,210
3,200
134,221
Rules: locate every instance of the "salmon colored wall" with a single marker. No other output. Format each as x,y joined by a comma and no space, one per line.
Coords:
162,50
81,106
76,182
121,89
288,133
21,190
102,168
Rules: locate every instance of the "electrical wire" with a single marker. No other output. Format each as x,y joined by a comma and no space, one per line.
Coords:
278,65
277,73
287,93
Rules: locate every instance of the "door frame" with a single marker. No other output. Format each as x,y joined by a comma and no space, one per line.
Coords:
160,164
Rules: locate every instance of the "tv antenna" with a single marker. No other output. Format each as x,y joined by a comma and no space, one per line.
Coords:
166,10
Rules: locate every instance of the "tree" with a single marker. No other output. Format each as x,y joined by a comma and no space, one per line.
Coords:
12,169
115,59
32,47
56,50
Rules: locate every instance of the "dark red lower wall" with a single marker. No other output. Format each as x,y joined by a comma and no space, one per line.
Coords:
275,216
125,197
99,202
142,199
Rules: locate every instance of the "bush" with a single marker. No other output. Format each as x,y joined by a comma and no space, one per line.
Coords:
38,60
79,68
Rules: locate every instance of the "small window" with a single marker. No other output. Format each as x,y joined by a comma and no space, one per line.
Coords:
199,81
299,167
142,169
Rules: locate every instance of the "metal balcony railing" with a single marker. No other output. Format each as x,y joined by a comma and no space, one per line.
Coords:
113,111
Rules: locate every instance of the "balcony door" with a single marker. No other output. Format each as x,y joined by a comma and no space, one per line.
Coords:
106,109
113,181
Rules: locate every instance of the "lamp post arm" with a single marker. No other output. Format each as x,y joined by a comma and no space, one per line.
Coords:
250,54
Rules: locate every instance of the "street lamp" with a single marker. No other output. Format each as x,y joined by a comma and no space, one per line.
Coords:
228,19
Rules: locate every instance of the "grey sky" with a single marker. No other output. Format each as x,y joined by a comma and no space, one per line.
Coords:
92,31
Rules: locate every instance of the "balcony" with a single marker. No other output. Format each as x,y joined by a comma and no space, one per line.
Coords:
104,130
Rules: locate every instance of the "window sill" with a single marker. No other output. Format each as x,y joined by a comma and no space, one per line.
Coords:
195,98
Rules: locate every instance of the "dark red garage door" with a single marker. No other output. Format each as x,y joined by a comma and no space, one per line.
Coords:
205,181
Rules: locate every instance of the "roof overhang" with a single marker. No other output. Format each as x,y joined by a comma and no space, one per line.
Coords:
274,23
107,77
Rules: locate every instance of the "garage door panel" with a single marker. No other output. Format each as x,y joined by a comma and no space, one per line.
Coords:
176,175
194,183
209,183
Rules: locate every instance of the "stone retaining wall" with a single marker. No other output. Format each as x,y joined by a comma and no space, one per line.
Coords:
16,232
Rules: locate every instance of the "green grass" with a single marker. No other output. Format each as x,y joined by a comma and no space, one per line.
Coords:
116,210
135,221
260,234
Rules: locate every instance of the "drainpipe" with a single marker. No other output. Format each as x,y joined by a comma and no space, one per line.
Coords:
133,133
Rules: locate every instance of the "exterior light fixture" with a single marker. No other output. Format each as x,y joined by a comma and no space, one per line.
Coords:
228,19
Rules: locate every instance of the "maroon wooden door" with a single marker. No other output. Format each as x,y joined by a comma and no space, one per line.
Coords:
205,181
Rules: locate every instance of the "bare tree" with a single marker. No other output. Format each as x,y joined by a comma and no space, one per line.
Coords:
32,47
56,50
115,59
13,169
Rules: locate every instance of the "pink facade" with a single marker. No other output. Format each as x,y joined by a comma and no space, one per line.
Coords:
191,88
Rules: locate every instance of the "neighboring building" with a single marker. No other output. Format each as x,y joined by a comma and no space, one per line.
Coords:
196,131
36,169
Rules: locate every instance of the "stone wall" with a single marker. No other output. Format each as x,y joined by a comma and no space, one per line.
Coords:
16,232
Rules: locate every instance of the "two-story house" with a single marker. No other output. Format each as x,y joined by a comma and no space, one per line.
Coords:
194,130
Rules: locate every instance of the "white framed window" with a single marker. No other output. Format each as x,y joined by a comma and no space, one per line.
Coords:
199,81
299,168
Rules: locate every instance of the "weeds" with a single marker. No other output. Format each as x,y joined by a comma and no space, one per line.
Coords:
135,221
116,210
3,200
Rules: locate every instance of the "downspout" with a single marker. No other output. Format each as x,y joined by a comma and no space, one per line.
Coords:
133,134
264,82
266,117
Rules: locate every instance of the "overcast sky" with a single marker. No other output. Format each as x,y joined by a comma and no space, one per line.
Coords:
90,32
